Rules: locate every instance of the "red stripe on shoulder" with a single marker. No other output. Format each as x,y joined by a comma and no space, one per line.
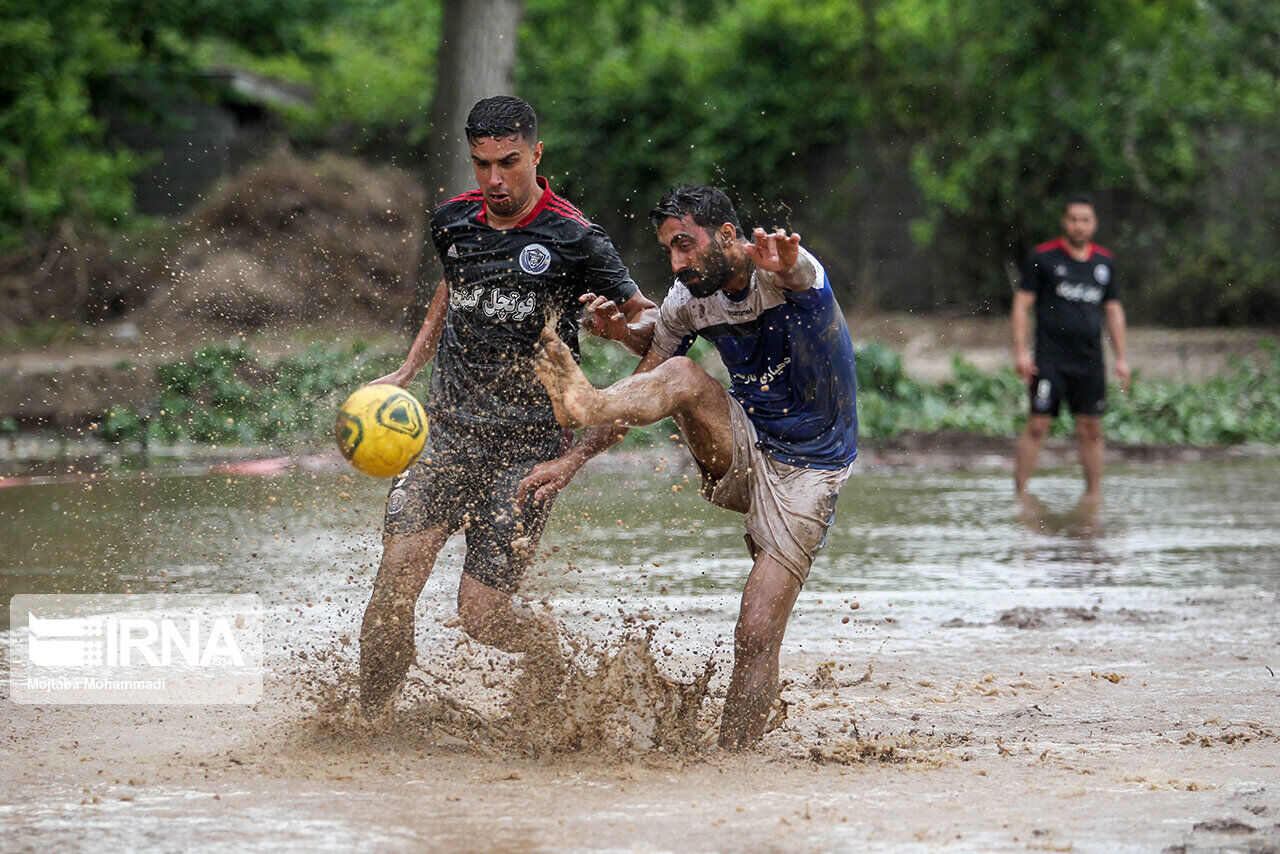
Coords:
469,196
568,211
1050,245
569,206
1102,250
579,220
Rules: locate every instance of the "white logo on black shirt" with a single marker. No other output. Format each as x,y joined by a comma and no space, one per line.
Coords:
535,259
1102,273
452,251
1079,292
496,303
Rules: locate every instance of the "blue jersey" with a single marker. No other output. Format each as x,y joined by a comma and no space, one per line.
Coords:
789,356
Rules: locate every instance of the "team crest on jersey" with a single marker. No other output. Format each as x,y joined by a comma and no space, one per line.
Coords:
535,259
1061,270
1102,273
395,501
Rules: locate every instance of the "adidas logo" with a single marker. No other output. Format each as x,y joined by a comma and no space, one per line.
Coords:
453,250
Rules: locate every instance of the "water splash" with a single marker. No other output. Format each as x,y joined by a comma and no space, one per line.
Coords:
601,698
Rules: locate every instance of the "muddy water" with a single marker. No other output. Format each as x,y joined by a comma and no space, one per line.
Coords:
1020,675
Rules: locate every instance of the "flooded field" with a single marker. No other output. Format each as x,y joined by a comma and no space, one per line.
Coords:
965,673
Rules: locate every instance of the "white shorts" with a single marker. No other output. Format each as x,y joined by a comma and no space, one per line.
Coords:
788,507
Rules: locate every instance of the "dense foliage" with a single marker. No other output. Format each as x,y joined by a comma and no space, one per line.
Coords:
65,60
974,119
1242,405
225,395
920,145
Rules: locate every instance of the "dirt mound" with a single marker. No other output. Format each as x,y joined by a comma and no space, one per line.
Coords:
292,240
73,277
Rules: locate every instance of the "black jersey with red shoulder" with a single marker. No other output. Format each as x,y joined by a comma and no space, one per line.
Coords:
503,285
1069,302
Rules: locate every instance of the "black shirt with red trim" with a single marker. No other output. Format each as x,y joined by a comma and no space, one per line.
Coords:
1069,303
503,285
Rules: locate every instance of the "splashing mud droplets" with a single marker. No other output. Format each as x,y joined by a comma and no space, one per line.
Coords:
601,699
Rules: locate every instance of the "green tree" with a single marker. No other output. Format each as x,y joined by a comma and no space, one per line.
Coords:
1014,105
63,58
52,164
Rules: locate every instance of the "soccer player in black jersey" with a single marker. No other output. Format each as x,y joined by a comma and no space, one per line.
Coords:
1071,282
515,254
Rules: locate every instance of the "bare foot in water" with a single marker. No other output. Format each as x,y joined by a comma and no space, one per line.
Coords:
572,395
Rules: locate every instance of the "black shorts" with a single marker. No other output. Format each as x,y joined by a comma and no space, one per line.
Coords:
1083,388
463,481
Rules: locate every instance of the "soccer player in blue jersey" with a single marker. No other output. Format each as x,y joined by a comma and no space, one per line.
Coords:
778,446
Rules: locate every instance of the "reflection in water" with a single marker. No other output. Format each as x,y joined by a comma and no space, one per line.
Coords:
1081,521
928,580
1071,544
311,537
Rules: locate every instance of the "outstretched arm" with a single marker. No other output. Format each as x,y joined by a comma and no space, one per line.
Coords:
779,253
550,477
1116,331
423,347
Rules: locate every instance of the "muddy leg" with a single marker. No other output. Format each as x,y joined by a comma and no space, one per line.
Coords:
507,622
678,388
1089,427
386,635
1029,450
500,619
767,601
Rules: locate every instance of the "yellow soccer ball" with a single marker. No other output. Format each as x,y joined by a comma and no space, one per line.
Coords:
381,429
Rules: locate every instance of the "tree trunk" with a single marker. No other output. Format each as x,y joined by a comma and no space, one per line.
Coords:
476,59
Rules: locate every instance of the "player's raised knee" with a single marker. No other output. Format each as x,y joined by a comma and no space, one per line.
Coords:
691,382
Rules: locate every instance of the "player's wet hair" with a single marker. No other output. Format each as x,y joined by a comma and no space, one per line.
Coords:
709,207
1079,199
502,115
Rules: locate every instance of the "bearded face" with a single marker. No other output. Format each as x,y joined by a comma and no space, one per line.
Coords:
708,271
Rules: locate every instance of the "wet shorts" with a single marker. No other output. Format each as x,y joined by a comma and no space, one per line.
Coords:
462,481
1083,389
789,508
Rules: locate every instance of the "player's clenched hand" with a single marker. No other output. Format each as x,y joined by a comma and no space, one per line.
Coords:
545,481
603,318
775,251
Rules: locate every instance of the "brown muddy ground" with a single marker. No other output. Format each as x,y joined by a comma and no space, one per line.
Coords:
1028,744
1038,727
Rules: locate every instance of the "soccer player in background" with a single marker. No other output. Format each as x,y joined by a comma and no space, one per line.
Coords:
1071,282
